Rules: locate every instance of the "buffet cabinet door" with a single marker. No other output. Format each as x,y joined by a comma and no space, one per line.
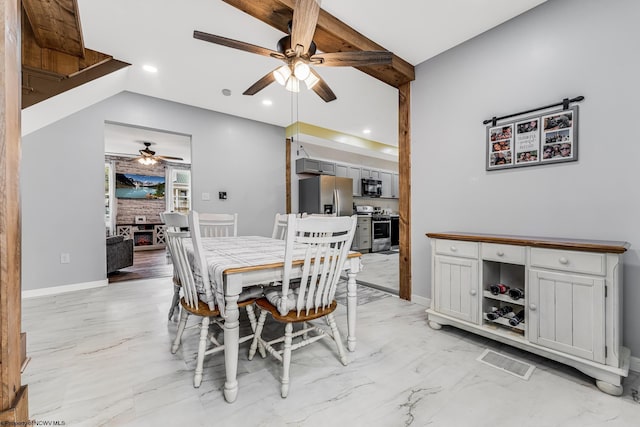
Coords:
456,287
566,313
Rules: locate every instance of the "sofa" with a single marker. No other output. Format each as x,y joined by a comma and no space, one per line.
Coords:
119,253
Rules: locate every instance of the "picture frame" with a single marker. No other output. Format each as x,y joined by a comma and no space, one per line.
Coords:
544,138
140,219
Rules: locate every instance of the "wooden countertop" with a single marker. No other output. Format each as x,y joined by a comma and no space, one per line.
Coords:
538,242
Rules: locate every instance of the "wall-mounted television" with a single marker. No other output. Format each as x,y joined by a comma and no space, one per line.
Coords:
133,186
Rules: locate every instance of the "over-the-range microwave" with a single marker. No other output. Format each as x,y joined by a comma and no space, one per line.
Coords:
371,187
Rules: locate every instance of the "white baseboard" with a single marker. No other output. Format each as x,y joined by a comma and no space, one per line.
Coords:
421,300
54,290
634,364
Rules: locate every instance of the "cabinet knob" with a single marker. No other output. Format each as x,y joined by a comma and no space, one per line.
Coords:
532,307
500,253
563,260
472,292
453,248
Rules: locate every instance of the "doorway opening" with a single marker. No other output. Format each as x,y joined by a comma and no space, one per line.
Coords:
147,172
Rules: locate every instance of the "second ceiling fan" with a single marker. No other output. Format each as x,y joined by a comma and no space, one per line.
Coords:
298,51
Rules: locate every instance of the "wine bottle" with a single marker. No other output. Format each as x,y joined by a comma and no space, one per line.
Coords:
515,320
499,313
516,293
498,288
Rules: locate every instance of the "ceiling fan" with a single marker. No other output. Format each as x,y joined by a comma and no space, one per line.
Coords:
148,156
298,51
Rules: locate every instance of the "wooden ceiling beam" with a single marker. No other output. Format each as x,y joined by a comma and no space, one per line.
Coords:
57,66
332,35
56,25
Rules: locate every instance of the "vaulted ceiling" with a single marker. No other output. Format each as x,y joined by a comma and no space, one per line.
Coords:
195,73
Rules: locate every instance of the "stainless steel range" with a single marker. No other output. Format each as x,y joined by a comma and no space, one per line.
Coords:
380,227
380,232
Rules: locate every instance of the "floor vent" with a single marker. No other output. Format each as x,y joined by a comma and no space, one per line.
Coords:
507,364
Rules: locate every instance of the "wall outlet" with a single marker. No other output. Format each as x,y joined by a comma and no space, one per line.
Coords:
206,196
65,258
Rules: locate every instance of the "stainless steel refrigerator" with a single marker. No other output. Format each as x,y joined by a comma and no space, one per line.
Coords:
326,194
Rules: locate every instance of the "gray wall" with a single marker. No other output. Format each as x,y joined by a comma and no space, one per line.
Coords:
563,48
62,180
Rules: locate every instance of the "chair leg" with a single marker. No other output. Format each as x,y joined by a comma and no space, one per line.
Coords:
175,301
183,323
252,321
337,338
256,337
202,348
286,359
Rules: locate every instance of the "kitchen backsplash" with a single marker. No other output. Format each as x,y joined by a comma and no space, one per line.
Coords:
377,202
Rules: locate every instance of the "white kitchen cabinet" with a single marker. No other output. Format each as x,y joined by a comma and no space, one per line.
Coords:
568,294
385,177
355,175
342,171
395,185
316,167
362,237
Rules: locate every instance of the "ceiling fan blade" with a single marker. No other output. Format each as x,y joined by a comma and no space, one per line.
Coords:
235,44
305,18
352,59
260,84
322,89
168,158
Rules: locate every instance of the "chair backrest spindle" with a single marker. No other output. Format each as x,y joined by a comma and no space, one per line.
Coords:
326,242
218,225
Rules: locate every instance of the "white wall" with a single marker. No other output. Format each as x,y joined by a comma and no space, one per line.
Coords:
62,180
563,48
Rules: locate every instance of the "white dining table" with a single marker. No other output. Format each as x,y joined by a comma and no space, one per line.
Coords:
235,263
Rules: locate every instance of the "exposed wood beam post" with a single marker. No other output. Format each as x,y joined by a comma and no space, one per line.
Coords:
404,204
13,396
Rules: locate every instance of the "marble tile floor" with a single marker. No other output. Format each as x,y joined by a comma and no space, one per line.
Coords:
101,357
380,271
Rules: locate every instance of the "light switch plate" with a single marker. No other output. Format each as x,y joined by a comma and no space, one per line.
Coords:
206,196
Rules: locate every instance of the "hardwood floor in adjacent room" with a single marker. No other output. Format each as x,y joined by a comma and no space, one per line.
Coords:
146,265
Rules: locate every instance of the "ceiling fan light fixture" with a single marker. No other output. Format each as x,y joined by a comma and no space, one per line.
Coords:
282,74
301,70
293,84
311,81
147,161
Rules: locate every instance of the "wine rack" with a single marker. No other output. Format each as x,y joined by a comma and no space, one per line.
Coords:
510,276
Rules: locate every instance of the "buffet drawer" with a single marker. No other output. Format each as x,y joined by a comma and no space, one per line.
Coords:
503,253
578,262
457,248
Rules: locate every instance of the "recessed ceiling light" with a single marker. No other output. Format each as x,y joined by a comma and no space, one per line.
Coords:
366,131
226,92
150,68
267,102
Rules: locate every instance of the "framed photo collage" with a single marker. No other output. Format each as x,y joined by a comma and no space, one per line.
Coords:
542,139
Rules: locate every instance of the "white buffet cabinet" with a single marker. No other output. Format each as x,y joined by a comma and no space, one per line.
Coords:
572,303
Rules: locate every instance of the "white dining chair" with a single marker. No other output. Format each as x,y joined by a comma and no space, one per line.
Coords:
174,221
325,242
280,226
218,225
191,302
